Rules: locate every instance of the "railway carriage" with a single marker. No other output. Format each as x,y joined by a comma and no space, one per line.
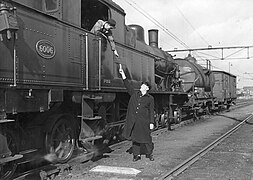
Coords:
59,82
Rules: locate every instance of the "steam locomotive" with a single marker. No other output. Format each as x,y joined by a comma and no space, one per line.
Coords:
208,90
60,84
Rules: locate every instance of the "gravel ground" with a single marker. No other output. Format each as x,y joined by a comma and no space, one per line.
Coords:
232,159
173,147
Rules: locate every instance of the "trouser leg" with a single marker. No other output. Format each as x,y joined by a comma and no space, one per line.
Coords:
136,148
149,148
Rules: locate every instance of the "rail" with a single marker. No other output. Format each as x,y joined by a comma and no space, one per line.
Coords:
169,175
188,162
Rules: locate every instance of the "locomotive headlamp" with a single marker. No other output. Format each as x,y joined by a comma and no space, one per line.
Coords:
8,20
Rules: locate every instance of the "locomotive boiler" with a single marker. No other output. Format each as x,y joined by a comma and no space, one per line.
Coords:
208,90
59,82
198,81
195,75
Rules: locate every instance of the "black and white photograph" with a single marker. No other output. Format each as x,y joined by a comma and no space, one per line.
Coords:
126,89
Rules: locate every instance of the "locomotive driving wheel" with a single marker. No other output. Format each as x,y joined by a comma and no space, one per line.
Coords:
164,119
60,141
7,169
178,115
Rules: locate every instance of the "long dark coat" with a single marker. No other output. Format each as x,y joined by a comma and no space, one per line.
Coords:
140,114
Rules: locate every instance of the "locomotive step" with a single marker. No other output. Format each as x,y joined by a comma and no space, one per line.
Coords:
88,139
90,118
92,97
6,120
10,158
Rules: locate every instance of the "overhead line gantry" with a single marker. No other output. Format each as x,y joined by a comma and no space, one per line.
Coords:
210,48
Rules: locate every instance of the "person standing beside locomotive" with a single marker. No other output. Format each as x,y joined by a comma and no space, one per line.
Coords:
139,119
104,28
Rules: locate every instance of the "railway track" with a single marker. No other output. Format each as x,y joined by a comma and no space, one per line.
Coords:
50,171
188,162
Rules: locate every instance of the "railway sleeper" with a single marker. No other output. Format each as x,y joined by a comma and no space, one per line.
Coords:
44,175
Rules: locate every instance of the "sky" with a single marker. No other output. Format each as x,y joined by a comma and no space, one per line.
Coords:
194,24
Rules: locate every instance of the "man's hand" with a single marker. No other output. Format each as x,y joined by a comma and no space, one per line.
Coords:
121,71
151,126
116,53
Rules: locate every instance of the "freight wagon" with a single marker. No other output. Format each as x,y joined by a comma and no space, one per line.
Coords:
224,89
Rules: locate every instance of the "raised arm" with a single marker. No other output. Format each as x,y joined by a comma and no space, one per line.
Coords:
128,86
112,43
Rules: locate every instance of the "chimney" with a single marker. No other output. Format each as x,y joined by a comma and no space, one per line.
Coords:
153,37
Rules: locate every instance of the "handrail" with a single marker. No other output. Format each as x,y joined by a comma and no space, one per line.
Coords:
14,62
87,61
99,62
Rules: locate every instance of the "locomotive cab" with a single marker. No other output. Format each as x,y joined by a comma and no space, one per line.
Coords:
91,12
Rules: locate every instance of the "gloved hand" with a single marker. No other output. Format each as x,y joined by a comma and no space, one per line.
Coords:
116,53
151,126
121,71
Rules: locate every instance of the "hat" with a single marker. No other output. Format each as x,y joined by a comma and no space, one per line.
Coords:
112,22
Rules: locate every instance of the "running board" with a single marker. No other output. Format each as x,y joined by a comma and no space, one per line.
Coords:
6,120
10,158
90,118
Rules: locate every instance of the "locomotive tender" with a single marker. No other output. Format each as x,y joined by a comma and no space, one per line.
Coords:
59,82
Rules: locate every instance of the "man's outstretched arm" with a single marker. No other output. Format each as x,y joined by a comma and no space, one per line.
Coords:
130,88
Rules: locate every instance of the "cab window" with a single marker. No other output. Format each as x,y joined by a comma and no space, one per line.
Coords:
91,11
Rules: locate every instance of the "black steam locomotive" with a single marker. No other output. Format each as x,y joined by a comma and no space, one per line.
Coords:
59,82
208,90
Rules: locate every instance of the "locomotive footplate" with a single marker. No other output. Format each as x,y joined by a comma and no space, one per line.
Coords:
6,120
10,158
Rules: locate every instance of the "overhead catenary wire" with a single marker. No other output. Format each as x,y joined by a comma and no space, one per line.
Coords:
197,53
157,23
148,16
182,14
165,42
194,29
143,12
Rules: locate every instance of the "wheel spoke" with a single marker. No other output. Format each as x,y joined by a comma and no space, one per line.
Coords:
61,140
7,170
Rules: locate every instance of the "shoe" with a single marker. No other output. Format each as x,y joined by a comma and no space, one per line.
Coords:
136,158
150,156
